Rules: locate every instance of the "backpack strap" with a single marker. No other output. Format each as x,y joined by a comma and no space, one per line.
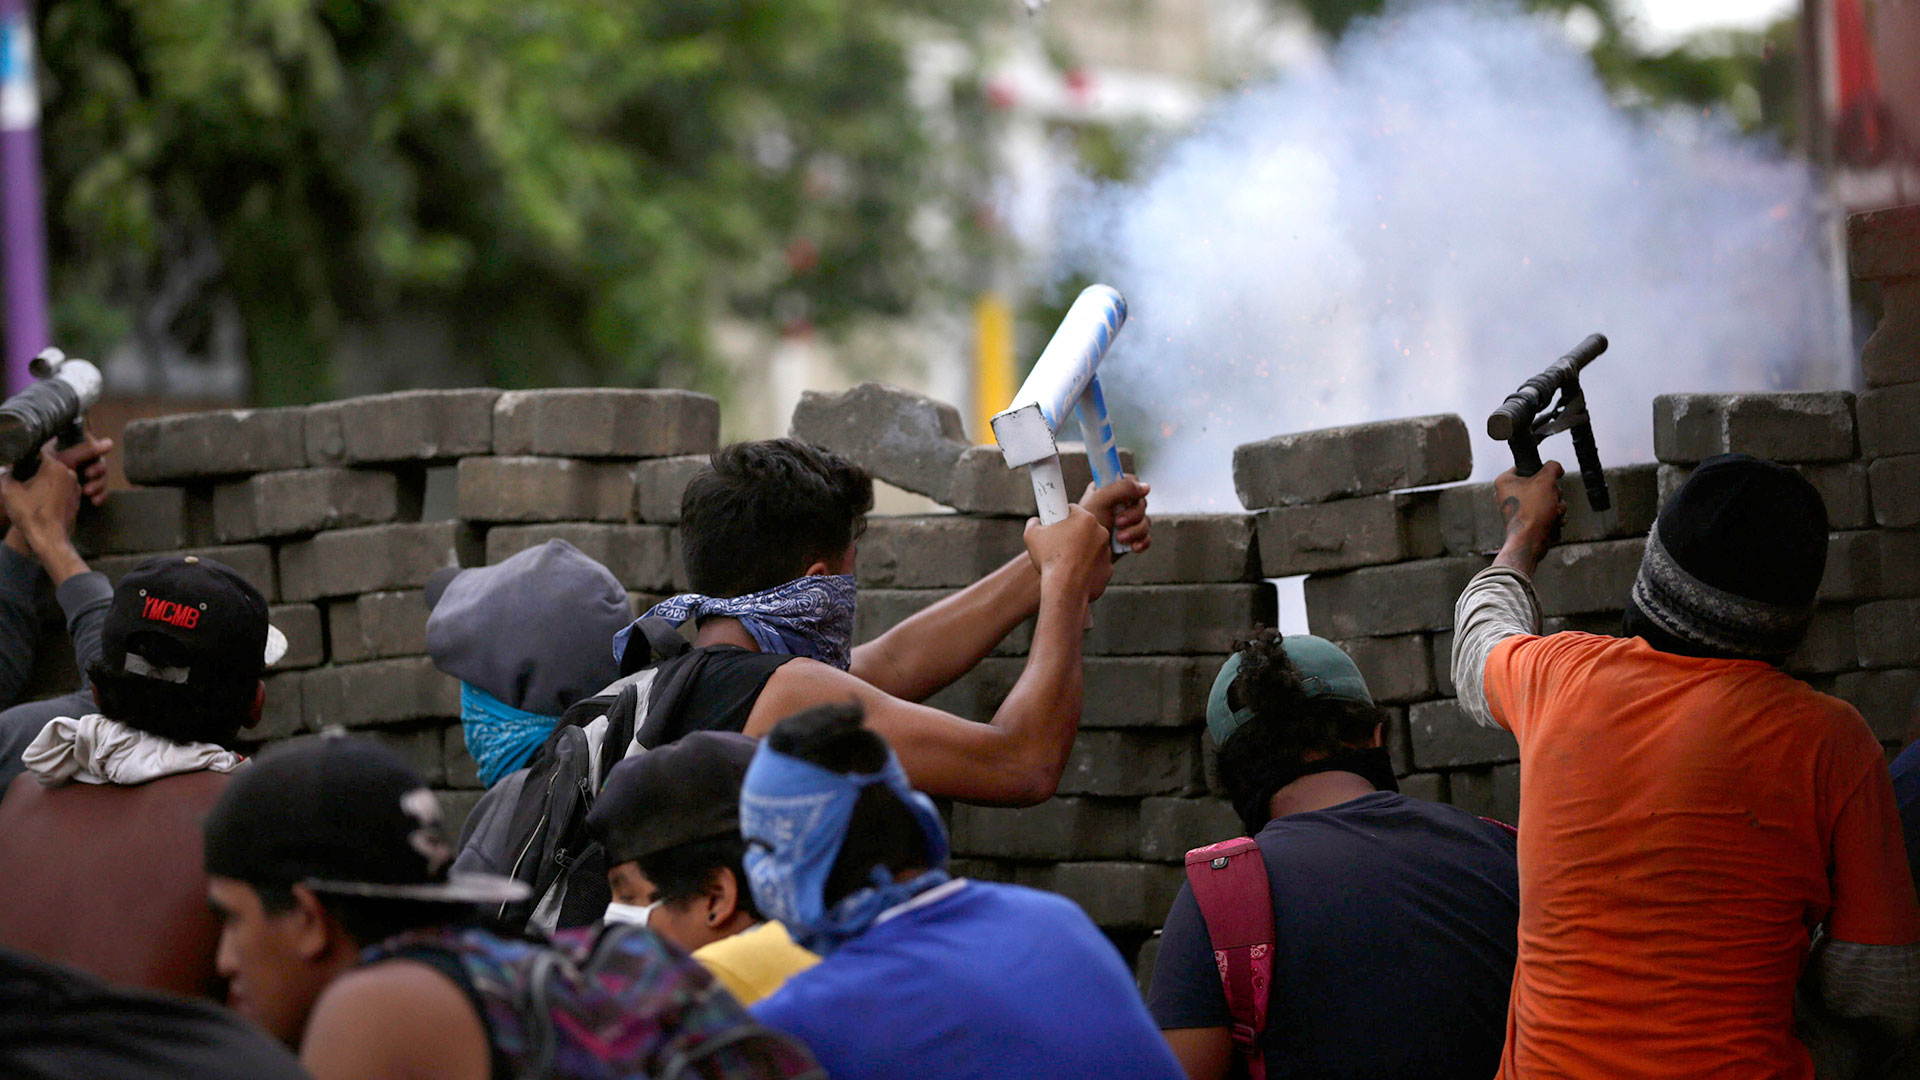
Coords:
1502,826
1229,881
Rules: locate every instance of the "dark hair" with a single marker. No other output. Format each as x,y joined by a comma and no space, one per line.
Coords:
183,714
682,873
370,920
764,511
882,831
1287,726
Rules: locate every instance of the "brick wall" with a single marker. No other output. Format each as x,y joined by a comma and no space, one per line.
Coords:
339,513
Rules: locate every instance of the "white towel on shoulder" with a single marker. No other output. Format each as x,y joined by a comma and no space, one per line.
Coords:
95,750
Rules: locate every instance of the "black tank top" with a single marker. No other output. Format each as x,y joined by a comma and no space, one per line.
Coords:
723,683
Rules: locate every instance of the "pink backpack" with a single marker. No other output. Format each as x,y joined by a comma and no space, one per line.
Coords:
1229,881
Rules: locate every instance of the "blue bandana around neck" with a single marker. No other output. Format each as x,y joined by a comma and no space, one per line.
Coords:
500,737
810,616
794,815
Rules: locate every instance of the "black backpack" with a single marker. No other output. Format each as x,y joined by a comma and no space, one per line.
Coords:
532,825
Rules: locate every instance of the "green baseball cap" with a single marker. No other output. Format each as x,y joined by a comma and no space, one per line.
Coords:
1325,671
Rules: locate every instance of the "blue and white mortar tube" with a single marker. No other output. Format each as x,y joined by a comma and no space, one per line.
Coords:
1065,380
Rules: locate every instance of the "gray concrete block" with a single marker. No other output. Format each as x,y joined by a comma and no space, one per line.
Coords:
1470,520
1795,426
379,693
1871,565
1443,663
641,557
251,561
1120,894
658,484
909,440
411,425
1885,243
880,610
420,749
1444,737
1169,828
1892,355
1397,669
1363,459
935,550
455,808
1144,962
1117,691
1896,490
1842,487
1348,533
1431,786
1887,633
298,501
462,771
374,558
1885,697
544,489
1491,792
306,637
135,519
1131,764
1193,548
1385,600
1079,828
1134,620
1890,421
1575,579
1830,645
605,423
981,483
281,715
378,625
207,445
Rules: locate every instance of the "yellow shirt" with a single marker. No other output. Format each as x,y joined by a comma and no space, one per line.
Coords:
754,963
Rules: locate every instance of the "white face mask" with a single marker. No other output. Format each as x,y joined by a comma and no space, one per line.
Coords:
637,914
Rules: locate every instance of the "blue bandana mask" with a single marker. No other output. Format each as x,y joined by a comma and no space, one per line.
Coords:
810,616
500,737
794,815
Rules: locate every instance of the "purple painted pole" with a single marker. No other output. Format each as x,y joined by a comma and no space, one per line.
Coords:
22,228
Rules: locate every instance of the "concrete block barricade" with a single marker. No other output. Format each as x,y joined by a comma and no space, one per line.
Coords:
1490,792
1133,763
1802,426
251,561
1885,244
982,483
411,425
1470,520
212,445
519,489
1397,669
1443,736
1831,645
306,635
1887,633
1884,697
1890,421
282,713
1117,691
1169,828
378,693
348,562
909,440
299,501
1348,533
462,771
378,625
1871,565
1120,894
936,551
605,423
1342,462
1388,600
134,520
645,558
1090,828
1194,548
1576,579
1892,355
658,484
1896,489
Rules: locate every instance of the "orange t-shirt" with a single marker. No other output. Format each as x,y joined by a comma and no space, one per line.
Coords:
1684,823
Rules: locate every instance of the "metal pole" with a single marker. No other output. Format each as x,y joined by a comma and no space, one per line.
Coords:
22,228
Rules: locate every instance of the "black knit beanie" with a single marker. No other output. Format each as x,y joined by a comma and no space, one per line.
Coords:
1734,561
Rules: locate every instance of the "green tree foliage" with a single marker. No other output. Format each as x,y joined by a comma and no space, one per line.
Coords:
576,187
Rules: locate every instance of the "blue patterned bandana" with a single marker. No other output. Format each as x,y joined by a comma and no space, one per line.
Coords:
810,616
500,737
794,815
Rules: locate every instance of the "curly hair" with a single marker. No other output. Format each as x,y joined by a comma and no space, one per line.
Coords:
1289,727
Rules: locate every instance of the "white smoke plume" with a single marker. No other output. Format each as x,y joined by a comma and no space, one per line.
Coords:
1448,205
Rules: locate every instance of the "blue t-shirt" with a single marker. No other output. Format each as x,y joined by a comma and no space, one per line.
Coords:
1395,920
1906,793
971,979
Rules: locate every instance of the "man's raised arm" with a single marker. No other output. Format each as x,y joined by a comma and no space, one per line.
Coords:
1499,602
1018,757
924,653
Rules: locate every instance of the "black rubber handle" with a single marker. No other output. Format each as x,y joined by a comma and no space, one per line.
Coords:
1517,412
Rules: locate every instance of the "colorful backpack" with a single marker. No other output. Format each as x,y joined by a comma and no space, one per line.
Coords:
1229,881
600,1004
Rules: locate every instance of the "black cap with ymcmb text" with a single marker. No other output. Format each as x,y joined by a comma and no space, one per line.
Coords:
191,621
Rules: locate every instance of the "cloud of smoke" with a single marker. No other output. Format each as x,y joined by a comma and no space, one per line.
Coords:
1448,205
